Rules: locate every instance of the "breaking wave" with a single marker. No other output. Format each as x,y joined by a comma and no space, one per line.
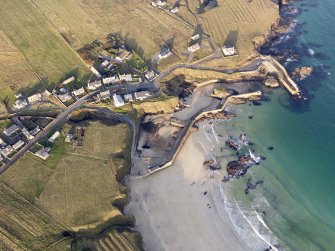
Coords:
249,224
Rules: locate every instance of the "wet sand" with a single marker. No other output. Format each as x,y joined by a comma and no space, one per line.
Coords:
181,208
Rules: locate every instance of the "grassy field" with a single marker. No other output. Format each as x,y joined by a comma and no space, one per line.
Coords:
31,48
77,187
249,18
27,177
22,225
143,26
83,186
15,70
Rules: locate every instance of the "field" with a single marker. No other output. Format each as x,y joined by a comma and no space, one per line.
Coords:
22,225
249,19
143,26
76,187
15,70
27,177
31,49
113,240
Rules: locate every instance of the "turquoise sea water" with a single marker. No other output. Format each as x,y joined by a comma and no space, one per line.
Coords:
297,199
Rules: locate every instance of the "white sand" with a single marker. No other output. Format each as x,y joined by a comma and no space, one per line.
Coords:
172,212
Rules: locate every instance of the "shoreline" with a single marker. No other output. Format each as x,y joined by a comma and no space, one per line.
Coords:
149,199
168,219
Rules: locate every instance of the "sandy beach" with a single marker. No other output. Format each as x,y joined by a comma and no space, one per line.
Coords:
181,207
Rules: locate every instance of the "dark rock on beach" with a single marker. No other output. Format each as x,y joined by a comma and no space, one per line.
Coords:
237,168
251,186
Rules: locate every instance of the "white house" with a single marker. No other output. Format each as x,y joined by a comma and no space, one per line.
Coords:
10,130
64,97
18,95
94,85
142,95
34,98
165,53
7,150
79,92
69,80
104,95
193,47
54,136
228,51
175,10
118,101
159,3
110,80
18,144
95,72
43,153
126,77
27,134
151,75
129,97
20,103
195,37
35,131
105,63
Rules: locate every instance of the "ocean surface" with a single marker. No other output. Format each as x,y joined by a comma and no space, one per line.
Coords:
294,209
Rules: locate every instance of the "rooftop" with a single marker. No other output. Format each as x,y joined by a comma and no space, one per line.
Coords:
10,130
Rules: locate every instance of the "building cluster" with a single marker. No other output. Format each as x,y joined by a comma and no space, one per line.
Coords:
66,94
14,137
22,102
120,100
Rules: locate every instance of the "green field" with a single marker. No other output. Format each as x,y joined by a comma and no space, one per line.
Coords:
31,41
143,26
77,188
23,226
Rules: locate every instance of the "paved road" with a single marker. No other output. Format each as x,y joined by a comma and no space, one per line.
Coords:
51,126
63,116
250,67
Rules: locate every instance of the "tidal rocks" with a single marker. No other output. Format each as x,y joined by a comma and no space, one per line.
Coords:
256,103
208,163
232,145
239,167
250,186
302,73
211,164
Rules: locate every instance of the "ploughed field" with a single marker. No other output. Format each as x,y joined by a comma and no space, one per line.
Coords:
75,189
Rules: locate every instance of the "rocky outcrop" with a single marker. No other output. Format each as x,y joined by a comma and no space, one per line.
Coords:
221,92
239,167
302,73
211,164
271,82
